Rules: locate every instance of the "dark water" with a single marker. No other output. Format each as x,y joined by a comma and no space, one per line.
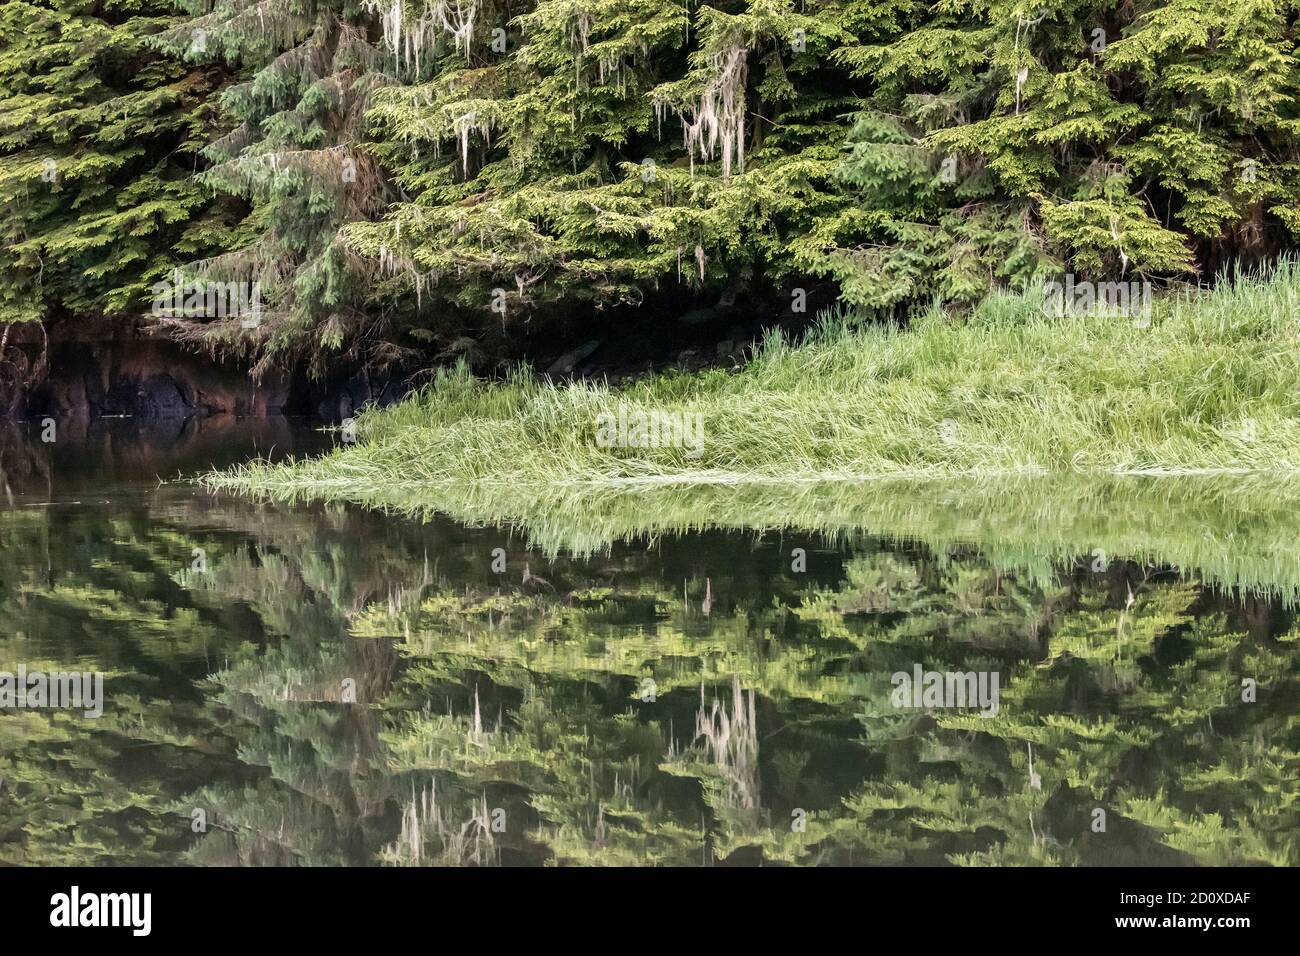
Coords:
323,684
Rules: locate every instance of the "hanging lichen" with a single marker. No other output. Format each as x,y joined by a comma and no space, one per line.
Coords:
717,122
456,20
462,126
731,743
407,39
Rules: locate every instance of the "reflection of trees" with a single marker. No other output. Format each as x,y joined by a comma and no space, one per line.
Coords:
79,593
304,700
606,717
273,757
729,737
1122,691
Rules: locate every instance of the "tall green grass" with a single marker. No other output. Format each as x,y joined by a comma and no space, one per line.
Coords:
1039,439
1210,385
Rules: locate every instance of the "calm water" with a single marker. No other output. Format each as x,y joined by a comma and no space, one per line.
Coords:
323,684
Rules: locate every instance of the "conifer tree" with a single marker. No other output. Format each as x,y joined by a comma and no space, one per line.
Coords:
415,168
308,68
598,151
1112,139
98,143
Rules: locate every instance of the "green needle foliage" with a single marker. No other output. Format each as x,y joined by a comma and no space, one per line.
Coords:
1003,138
307,69
611,148
99,137
507,160
413,172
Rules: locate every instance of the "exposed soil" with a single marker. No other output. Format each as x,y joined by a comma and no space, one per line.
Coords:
95,367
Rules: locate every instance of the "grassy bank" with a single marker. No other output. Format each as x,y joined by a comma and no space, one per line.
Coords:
1208,385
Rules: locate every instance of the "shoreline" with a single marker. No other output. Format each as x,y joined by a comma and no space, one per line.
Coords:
1207,387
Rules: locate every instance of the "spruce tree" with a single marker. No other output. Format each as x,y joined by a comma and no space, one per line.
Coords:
413,169
599,151
308,69
98,143
1112,139
595,152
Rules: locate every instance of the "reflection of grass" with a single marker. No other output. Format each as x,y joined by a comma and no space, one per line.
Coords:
1230,530
1208,385
1179,442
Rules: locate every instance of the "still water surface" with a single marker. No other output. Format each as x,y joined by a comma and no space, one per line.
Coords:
323,684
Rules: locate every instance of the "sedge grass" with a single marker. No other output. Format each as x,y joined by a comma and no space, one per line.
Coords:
1207,386
1038,438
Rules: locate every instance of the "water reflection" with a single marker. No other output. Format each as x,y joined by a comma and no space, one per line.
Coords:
650,679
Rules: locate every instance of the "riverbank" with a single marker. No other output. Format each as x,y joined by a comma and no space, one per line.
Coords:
1201,385
81,368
